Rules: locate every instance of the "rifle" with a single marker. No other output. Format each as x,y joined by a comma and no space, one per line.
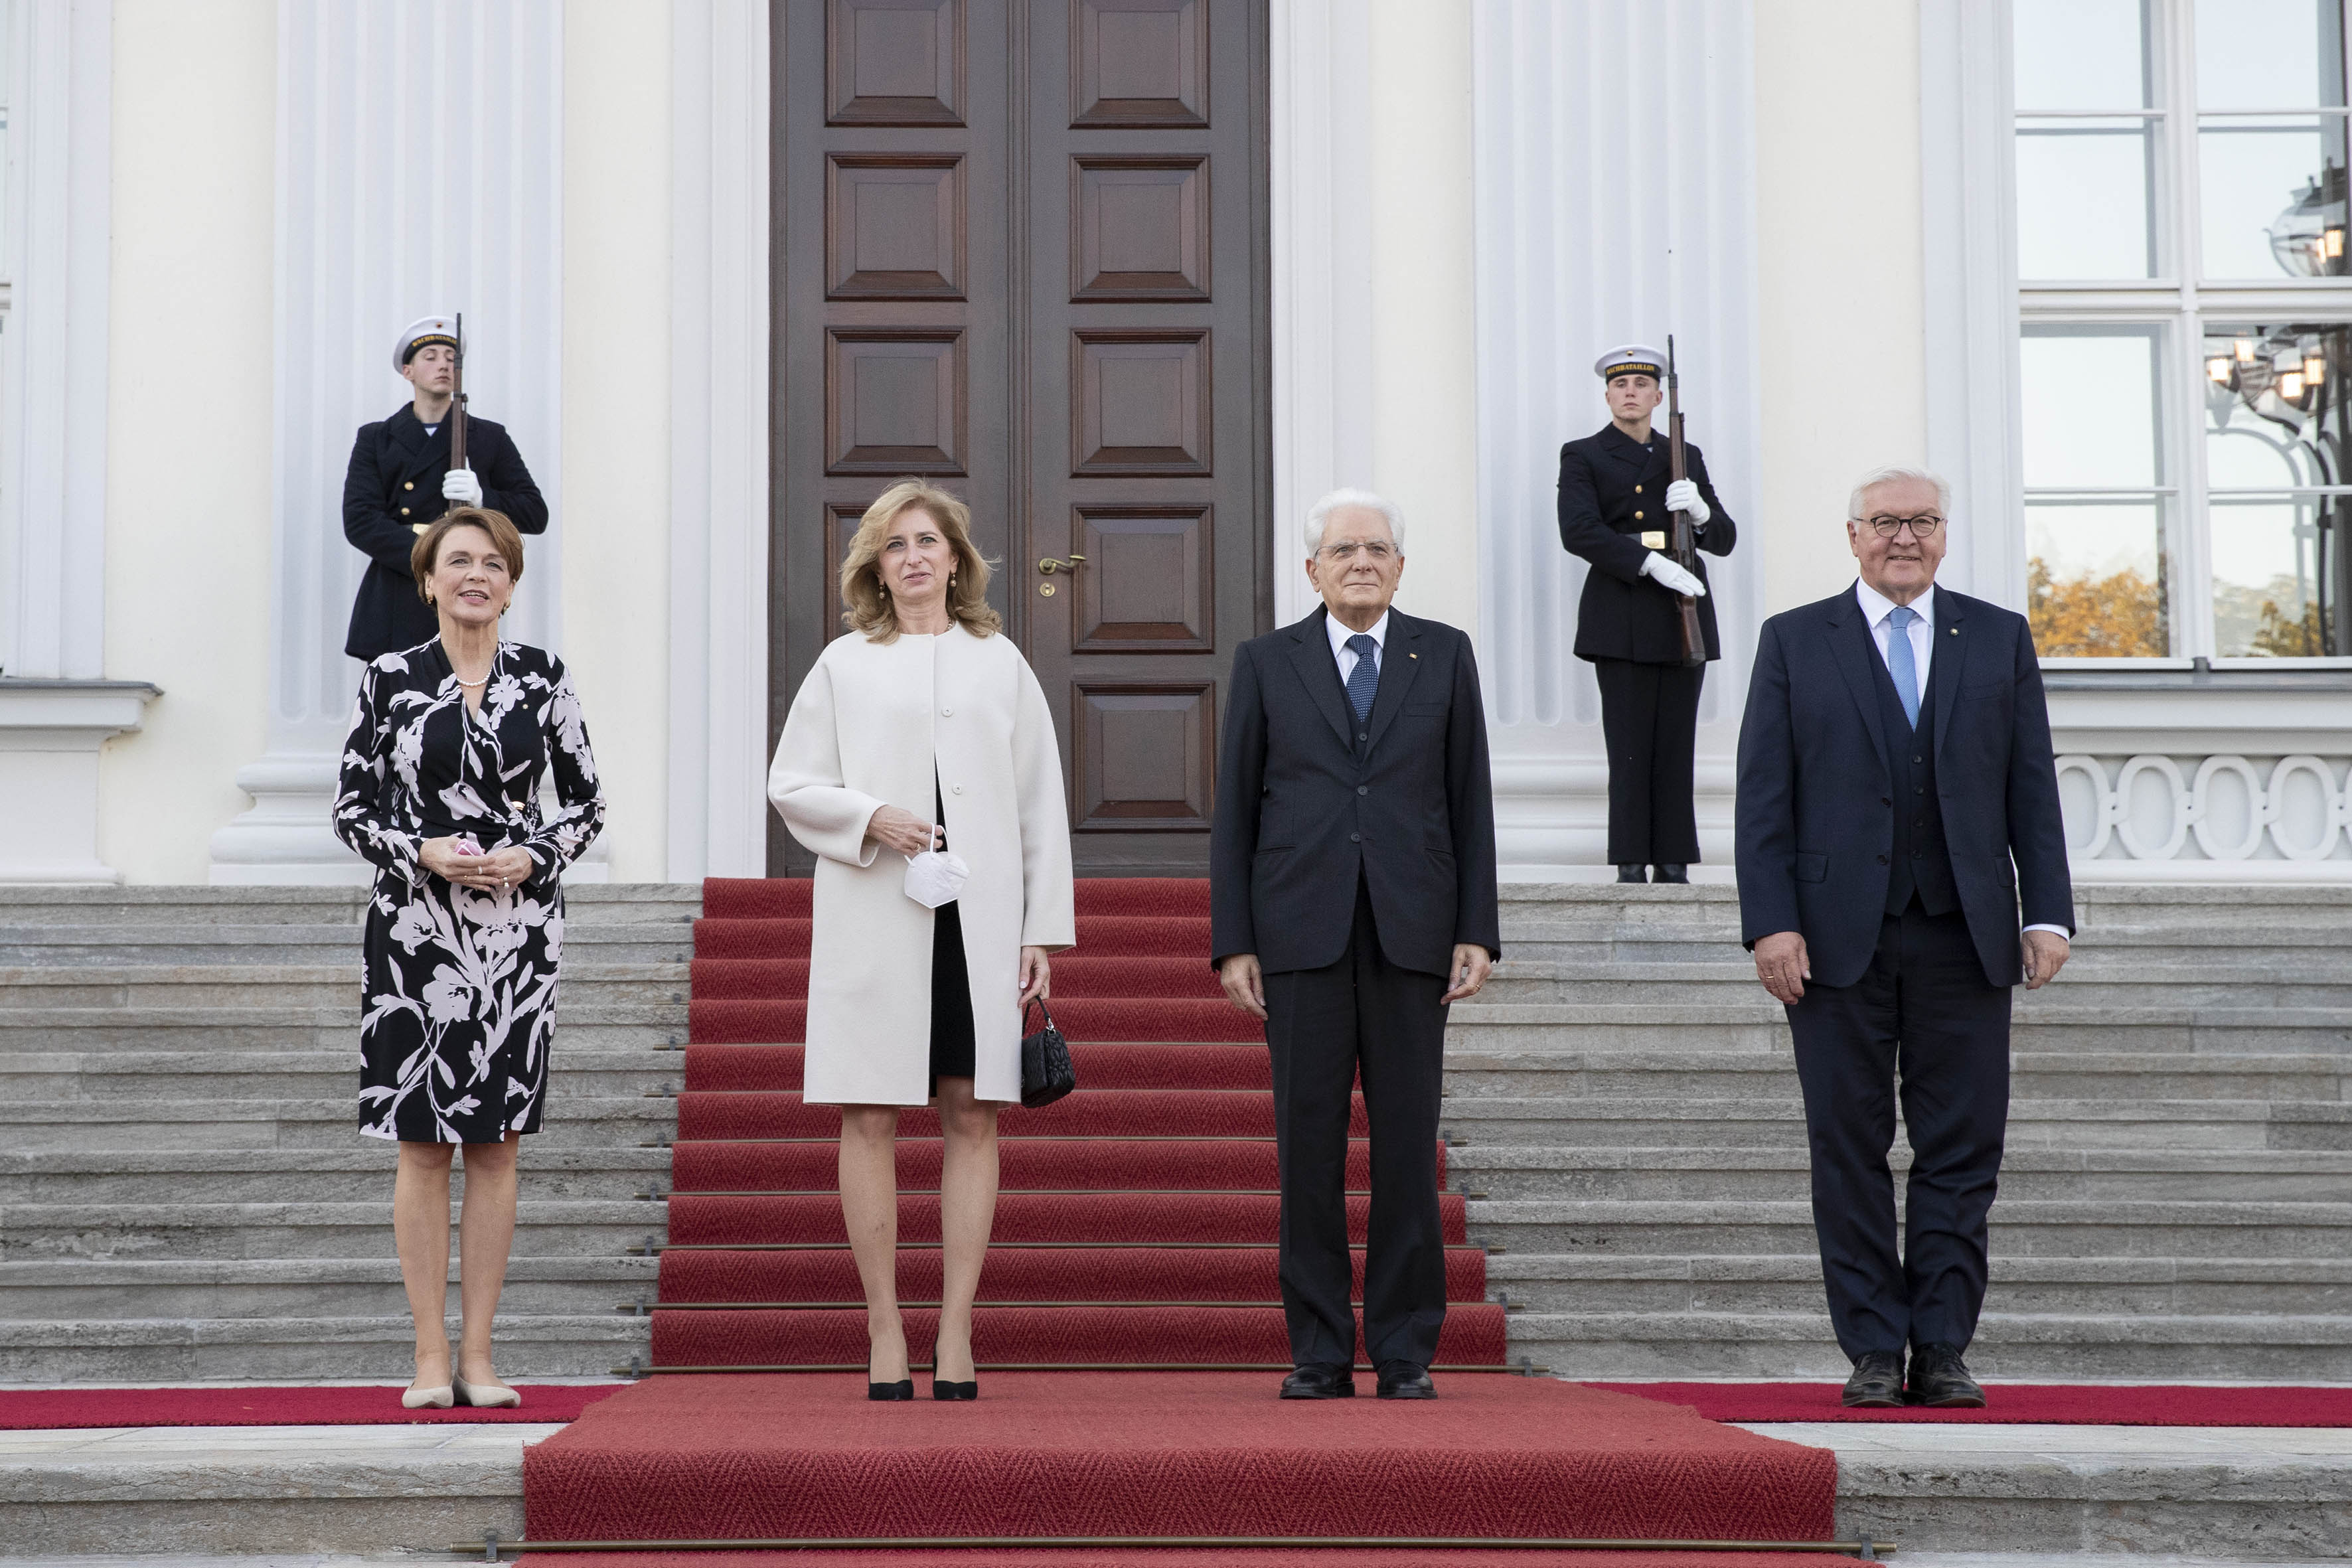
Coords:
457,397
1683,546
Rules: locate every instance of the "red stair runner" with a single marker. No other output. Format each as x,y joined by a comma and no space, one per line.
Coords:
1139,1216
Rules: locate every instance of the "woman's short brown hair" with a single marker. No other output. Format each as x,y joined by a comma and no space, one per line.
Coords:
868,607
425,554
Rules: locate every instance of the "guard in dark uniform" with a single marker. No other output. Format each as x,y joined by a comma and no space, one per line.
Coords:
400,480
1614,498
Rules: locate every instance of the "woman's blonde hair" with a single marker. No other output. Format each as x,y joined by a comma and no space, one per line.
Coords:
867,604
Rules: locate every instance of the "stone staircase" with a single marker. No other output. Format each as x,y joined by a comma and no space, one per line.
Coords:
184,1194
2176,1204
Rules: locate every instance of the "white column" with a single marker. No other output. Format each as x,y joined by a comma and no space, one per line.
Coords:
419,169
1615,179
718,444
53,353
1322,307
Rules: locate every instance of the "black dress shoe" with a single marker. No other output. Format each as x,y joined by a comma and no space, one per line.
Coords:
1633,873
1940,1379
942,1389
902,1389
1673,874
1320,1383
1877,1383
1406,1380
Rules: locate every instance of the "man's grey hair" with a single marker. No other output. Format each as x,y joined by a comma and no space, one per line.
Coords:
1320,512
1892,474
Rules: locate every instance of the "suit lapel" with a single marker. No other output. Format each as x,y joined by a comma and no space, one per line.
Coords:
1943,666
419,450
1398,667
1310,656
1857,658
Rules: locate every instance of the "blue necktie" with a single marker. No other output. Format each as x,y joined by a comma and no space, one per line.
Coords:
1365,678
1899,661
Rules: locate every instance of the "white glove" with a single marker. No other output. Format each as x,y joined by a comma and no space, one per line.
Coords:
1683,496
1668,575
460,487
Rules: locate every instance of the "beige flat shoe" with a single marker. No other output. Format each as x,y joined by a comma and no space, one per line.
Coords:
486,1395
439,1398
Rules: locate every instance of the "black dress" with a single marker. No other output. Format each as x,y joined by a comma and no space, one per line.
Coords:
458,1000
953,1044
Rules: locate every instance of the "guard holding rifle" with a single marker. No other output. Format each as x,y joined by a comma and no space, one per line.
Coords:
1639,507
410,469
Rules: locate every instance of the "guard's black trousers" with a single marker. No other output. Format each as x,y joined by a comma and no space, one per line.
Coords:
1324,1026
1922,1010
1649,718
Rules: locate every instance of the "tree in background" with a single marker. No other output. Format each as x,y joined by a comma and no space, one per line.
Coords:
2120,615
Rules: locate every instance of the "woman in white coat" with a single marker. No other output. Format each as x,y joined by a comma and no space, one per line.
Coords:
923,728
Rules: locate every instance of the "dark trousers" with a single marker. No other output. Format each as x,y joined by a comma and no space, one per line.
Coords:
1649,718
1923,1011
1362,1015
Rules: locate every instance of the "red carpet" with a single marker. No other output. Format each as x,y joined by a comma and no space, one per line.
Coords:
2024,1403
44,1409
1182,1557
1080,1453
1139,1215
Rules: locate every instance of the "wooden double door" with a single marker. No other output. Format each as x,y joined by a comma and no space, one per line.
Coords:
1020,250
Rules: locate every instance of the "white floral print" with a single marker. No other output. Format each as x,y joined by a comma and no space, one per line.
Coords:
459,1001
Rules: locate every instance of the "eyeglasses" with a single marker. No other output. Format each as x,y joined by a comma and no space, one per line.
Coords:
1373,550
1922,527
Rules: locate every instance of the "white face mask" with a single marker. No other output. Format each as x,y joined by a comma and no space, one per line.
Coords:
935,878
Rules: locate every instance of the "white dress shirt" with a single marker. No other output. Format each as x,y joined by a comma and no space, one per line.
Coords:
1877,607
1339,633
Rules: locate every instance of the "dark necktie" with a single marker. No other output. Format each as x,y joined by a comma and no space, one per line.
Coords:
1365,678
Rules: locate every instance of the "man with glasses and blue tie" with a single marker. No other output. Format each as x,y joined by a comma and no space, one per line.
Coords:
1351,896
1896,800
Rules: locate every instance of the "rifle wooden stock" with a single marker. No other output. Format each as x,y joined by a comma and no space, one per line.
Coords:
1682,546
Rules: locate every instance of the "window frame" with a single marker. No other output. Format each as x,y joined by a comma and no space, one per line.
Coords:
2182,305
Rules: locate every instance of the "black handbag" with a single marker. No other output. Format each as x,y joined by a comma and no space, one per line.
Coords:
1047,1074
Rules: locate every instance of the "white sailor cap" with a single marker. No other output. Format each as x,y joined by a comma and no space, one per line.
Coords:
1631,358
418,334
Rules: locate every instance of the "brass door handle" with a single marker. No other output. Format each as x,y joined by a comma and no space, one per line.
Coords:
1050,565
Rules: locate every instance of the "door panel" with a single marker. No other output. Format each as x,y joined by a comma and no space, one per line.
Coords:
1053,301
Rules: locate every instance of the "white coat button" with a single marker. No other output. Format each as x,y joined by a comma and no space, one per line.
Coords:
955,789
947,712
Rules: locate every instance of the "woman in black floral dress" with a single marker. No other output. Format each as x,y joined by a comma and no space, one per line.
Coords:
440,791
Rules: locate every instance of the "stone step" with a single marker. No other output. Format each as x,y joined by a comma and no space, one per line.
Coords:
1468,1122
250,1350
2032,1347
355,1171
610,1026
573,1067
2020,1228
577,1122
109,988
26,906
1707,1174
584,1284
1761,1024
2035,1075
544,1228
584,942
1792,1282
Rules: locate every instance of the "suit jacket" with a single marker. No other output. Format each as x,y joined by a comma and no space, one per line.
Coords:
1304,809
1815,813
392,485
1613,490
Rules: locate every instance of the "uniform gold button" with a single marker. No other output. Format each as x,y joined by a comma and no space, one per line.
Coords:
404,511
412,485
1637,516
1637,489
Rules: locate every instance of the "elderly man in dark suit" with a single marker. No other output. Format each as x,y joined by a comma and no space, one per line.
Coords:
1897,798
1616,500
400,480
1352,896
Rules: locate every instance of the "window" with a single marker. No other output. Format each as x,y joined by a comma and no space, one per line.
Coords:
2186,301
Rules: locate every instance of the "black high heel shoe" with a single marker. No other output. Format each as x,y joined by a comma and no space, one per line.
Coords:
941,1389
902,1389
